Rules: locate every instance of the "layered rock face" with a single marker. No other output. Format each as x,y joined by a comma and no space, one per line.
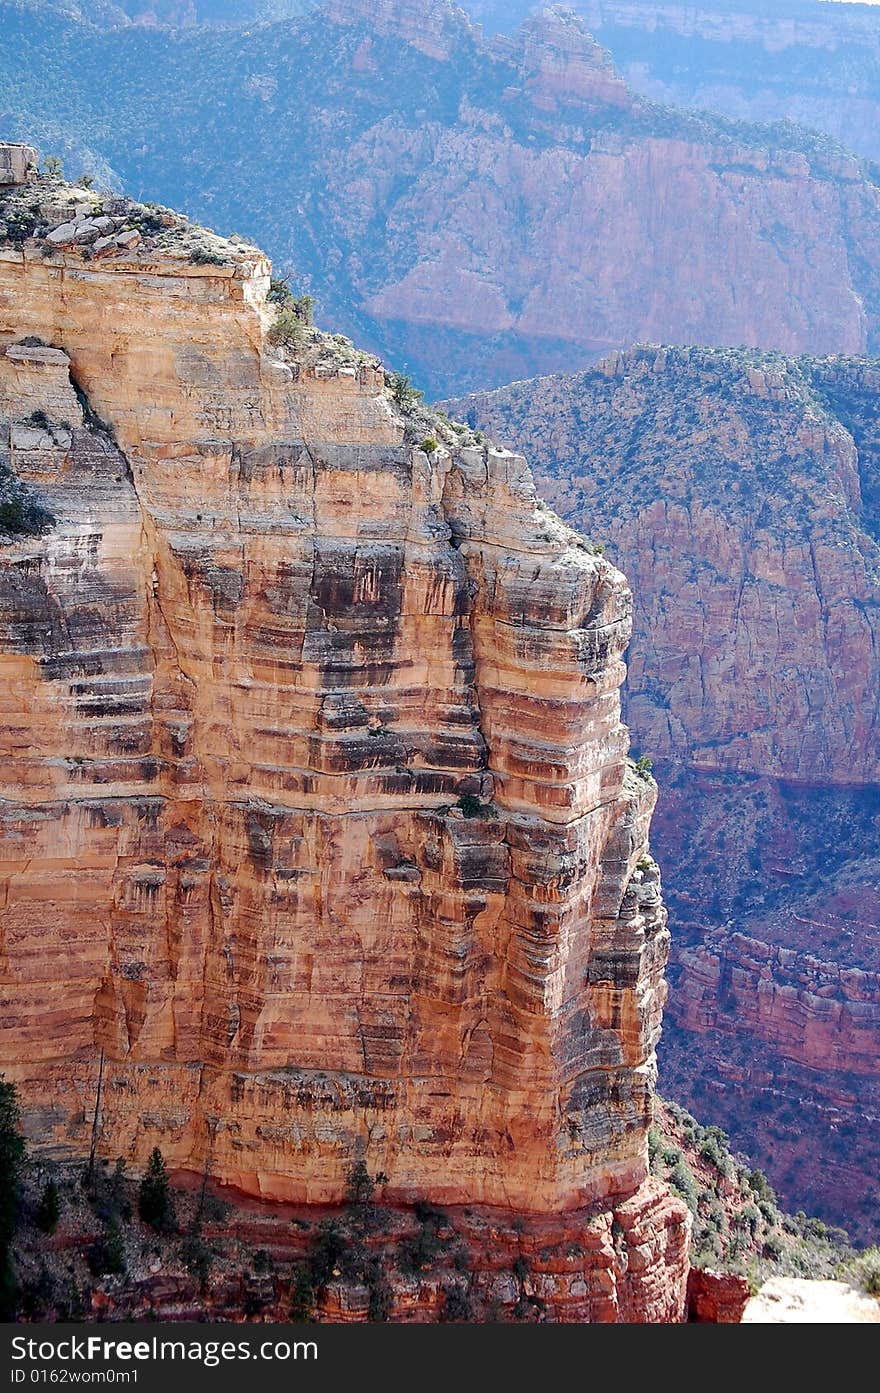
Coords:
317,837
502,207
740,492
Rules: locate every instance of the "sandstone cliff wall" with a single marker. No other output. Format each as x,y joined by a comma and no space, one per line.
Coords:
317,836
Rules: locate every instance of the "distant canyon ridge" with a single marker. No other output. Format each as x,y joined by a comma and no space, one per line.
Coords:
806,61
475,209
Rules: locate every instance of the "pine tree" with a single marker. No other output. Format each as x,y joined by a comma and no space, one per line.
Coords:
12,1154
49,1208
114,1249
154,1196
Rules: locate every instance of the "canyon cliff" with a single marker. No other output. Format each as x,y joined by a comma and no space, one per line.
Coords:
318,838
478,209
740,493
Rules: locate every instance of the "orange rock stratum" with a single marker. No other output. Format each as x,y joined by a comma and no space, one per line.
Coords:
245,678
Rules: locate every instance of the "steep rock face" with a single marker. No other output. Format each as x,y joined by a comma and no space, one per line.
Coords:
503,207
740,492
264,649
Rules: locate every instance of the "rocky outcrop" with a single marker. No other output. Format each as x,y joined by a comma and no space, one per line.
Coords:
740,493
503,207
716,1298
798,61
17,163
248,1259
318,840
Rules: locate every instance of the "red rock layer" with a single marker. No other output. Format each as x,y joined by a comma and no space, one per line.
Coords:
716,1298
624,1265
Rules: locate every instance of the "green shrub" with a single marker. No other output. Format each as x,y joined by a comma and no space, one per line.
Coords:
643,766
292,317
359,1185
416,1253
404,393
381,1296
279,292
655,1149
155,1205
22,516
302,1294
106,1256
428,445
196,1256
457,1304
683,1181
201,256
470,805
287,329
712,1150
760,1185
48,1210
774,1247
21,223
328,1250
12,1155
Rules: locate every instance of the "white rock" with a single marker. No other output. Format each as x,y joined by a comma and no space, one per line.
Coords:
799,1301
62,235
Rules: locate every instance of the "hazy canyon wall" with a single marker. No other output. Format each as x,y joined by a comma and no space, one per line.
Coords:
740,493
504,206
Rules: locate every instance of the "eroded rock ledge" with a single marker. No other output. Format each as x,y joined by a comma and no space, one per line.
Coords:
316,824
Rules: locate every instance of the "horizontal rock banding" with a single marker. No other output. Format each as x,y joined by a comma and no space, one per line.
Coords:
327,847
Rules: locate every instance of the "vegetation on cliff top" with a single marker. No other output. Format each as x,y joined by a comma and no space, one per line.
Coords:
30,212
